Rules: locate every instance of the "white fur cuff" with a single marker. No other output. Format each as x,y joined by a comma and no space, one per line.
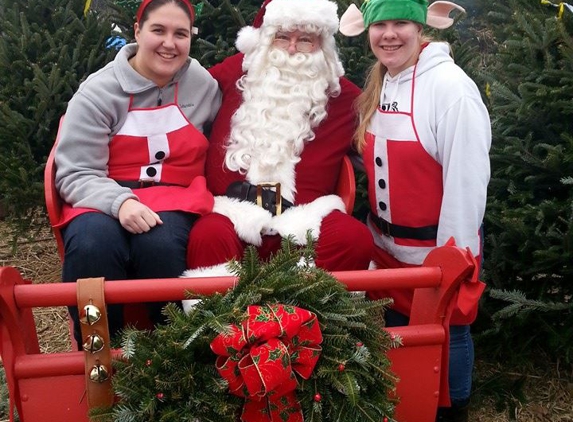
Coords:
219,270
297,221
249,219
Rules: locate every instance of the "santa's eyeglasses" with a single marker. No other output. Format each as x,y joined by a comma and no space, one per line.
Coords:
302,44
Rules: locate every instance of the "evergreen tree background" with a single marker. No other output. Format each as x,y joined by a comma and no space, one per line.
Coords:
529,221
518,52
47,48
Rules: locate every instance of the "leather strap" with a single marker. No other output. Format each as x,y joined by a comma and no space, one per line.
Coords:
142,184
95,335
404,232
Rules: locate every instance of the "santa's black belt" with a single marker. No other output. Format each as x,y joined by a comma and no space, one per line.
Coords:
142,184
404,232
261,195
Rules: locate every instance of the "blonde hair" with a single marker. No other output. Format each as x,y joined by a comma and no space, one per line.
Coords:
369,100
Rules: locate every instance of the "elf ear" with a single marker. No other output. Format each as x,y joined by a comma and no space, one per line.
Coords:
351,22
247,39
439,14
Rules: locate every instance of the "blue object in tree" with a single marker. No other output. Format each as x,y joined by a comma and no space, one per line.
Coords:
115,42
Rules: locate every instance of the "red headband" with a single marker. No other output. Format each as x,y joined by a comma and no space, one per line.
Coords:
145,3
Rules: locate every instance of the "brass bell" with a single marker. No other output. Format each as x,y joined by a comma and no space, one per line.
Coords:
90,315
99,373
93,343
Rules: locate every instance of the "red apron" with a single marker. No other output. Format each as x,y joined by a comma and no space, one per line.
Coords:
405,187
159,144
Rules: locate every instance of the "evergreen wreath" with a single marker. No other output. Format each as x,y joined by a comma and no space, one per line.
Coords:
169,374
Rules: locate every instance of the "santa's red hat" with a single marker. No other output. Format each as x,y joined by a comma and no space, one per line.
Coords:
320,14
258,21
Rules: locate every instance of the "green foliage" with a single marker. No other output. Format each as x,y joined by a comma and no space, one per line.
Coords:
176,360
218,25
550,319
4,396
529,220
47,48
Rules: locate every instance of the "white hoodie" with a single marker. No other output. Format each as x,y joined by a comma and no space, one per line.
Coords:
453,126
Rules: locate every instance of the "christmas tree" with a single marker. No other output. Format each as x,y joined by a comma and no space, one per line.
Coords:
170,374
529,219
47,48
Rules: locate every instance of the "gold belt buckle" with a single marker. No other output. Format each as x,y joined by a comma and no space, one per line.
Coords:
278,196
146,183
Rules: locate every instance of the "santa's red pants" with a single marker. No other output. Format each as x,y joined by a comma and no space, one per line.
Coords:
344,243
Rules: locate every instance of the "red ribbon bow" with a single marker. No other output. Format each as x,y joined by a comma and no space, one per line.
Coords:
470,290
259,360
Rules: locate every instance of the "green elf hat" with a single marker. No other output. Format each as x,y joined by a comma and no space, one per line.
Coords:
386,10
437,15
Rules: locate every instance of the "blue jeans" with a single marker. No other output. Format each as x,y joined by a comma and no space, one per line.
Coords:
461,357
96,245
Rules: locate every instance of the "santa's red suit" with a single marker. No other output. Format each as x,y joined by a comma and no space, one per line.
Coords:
344,243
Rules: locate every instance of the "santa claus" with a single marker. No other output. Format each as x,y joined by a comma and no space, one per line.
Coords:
278,143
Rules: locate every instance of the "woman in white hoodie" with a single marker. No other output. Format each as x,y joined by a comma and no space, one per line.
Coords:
425,136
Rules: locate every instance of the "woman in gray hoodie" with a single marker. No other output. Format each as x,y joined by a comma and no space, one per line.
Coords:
131,153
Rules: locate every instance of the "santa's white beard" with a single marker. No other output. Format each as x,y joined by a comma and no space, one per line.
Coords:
283,100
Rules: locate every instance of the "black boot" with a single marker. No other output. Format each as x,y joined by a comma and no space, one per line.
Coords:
456,413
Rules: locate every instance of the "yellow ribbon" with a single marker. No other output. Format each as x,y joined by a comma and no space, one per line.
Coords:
560,5
87,7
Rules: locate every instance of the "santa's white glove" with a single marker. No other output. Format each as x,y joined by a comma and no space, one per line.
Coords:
297,221
250,220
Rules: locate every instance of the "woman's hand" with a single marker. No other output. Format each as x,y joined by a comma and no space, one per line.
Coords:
137,218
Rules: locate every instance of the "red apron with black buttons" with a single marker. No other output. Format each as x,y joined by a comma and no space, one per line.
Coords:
159,145
405,187
405,182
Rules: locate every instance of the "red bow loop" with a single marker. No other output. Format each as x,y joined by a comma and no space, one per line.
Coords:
229,344
260,359
471,290
266,367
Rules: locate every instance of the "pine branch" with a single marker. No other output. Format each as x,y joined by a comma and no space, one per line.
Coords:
521,305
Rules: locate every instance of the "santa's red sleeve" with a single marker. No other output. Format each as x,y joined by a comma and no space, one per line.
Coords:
226,73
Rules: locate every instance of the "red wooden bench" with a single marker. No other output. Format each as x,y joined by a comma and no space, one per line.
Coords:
346,189
51,387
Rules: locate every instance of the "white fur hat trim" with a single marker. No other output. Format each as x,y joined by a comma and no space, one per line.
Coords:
285,13
248,39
